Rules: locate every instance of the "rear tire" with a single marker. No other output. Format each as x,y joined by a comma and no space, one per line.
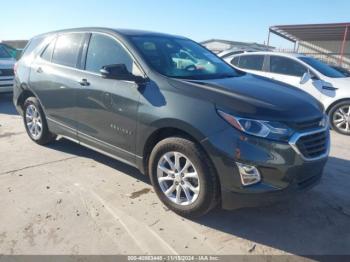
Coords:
35,122
339,117
192,175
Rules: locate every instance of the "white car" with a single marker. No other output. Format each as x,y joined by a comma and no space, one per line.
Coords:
7,63
329,86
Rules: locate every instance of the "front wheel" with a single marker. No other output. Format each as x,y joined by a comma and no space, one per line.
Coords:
183,177
340,117
35,122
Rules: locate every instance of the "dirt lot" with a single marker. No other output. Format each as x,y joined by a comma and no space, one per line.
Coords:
65,199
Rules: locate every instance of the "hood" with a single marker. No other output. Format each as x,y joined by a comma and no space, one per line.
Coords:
255,97
340,83
7,63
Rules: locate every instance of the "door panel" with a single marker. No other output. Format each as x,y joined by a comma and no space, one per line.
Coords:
56,84
107,108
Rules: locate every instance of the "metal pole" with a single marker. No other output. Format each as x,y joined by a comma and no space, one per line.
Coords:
268,38
343,46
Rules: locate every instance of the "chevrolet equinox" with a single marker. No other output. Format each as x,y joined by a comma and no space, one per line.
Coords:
205,133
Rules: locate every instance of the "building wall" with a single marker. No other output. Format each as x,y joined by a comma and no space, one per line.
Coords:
18,44
328,51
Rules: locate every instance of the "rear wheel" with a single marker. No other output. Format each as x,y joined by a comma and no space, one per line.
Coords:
183,177
35,122
340,117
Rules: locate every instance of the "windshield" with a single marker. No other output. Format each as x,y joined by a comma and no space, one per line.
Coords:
322,67
181,58
4,54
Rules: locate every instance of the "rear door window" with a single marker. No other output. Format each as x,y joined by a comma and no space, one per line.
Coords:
251,62
67,49
286,66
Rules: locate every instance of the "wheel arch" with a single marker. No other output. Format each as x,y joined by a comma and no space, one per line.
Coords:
329,108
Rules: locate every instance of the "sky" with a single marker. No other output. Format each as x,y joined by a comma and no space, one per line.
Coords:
238,20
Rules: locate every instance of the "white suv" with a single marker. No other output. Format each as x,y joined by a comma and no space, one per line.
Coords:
329,86
7,63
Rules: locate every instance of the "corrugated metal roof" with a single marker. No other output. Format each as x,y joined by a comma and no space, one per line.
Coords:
312,32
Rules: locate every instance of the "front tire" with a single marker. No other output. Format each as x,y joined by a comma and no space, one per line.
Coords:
35,122
339,117
183,177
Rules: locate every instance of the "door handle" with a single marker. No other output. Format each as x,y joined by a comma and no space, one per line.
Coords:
40,70
84,82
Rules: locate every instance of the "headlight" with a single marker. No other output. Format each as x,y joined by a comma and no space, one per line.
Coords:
260,128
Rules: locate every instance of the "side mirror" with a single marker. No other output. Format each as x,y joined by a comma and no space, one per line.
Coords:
305,78
119,72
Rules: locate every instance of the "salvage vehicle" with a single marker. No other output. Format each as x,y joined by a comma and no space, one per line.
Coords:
206,134
7,63
327,84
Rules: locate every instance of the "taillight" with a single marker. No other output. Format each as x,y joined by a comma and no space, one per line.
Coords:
15,68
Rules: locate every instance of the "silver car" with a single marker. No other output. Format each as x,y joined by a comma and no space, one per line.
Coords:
7,63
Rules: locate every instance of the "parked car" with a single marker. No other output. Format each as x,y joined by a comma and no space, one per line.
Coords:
342,70
234,51
7,63
206,134
328,85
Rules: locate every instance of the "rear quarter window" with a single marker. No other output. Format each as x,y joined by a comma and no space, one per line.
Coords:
31,46
235,61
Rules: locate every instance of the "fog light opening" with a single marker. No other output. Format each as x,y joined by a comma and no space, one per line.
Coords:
249,174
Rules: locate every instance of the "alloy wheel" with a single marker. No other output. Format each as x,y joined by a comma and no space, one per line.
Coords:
34,121
341,118
178,178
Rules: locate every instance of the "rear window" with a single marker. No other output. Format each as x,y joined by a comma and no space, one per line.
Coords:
67,49
251,62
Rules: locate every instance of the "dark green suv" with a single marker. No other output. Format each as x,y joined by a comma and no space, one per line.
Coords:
205,133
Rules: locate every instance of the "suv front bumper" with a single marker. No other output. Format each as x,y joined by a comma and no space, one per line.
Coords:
284,171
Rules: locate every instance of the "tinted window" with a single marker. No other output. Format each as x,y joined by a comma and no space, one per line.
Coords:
67,49
286,66
4,53
322,67
103,51
252,62
235,61
47,54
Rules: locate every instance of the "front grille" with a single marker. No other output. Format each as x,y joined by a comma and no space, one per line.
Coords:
6,72
305,125
314,145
